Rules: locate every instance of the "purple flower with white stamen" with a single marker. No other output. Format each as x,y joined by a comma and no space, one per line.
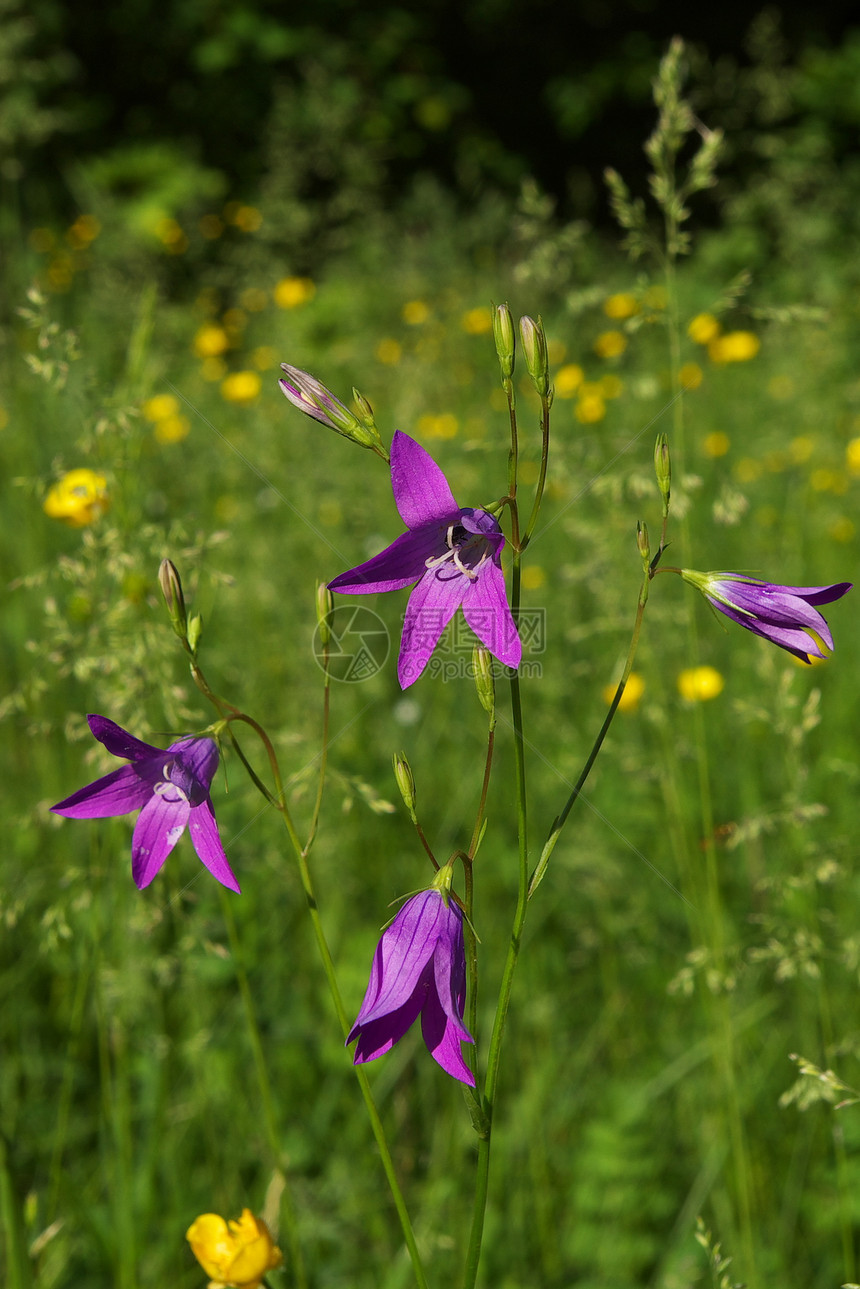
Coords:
170,788
454,555
419,968
785,615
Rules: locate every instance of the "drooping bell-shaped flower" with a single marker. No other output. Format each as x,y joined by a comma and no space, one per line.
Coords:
785,615
419,969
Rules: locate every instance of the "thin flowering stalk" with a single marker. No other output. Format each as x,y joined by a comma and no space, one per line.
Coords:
287,1210
546,404
482,1177
555,831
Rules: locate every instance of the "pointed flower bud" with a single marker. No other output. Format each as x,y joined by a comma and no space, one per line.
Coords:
663,470
325,608
785,615
171,589
195,631
311,397
484,682
503,334
405,782
365,411
535,353
643,543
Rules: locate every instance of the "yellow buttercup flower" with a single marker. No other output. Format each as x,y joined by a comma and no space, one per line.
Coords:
716,444
568,380
703,328
172,429
211,341
591,405
236,1253
240,387
690,376
160,407
610,344
290,292
389,351
633,691
622,305
734,347
477,321
78,499
415,312
698,684
852,456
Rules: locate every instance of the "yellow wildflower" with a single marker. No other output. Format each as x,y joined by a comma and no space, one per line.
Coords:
610,344
291,292
240,387
703,329
160,407
534,577
210,341
591,405
852,456
734,347
84,230
477,322
264,357
438,427
79,498
247,218
415,312
622,305
802,448
842,530
389,351
633,691
716,444
213,369
691,376
748,470
172,429
698,684
568,380
655,297
236,1253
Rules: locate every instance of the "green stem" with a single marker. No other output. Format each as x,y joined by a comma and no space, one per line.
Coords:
482,1177
269,1114
546,403
558,824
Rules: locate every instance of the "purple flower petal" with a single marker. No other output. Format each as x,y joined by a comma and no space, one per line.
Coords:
443,1038
398,566
421,491
118,741
159,826
196,760
419,967
485,608
432,605
203,831
115,794
785,615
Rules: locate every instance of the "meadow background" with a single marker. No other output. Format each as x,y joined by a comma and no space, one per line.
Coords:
187,204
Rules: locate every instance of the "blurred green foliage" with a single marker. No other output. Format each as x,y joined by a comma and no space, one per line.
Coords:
669,970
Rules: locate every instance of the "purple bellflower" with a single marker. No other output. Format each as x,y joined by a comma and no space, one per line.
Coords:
785,615
169,787
454,555
419,967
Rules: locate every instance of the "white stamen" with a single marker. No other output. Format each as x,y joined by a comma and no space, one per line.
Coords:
453,554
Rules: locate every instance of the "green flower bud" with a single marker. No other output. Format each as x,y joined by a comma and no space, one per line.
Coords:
663,469
535,354
503,334
482,667
405,782
365,411
325,608
195,631
643,543
171,589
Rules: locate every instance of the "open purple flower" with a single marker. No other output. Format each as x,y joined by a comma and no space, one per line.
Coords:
784,615
169,787
419,968
452,552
